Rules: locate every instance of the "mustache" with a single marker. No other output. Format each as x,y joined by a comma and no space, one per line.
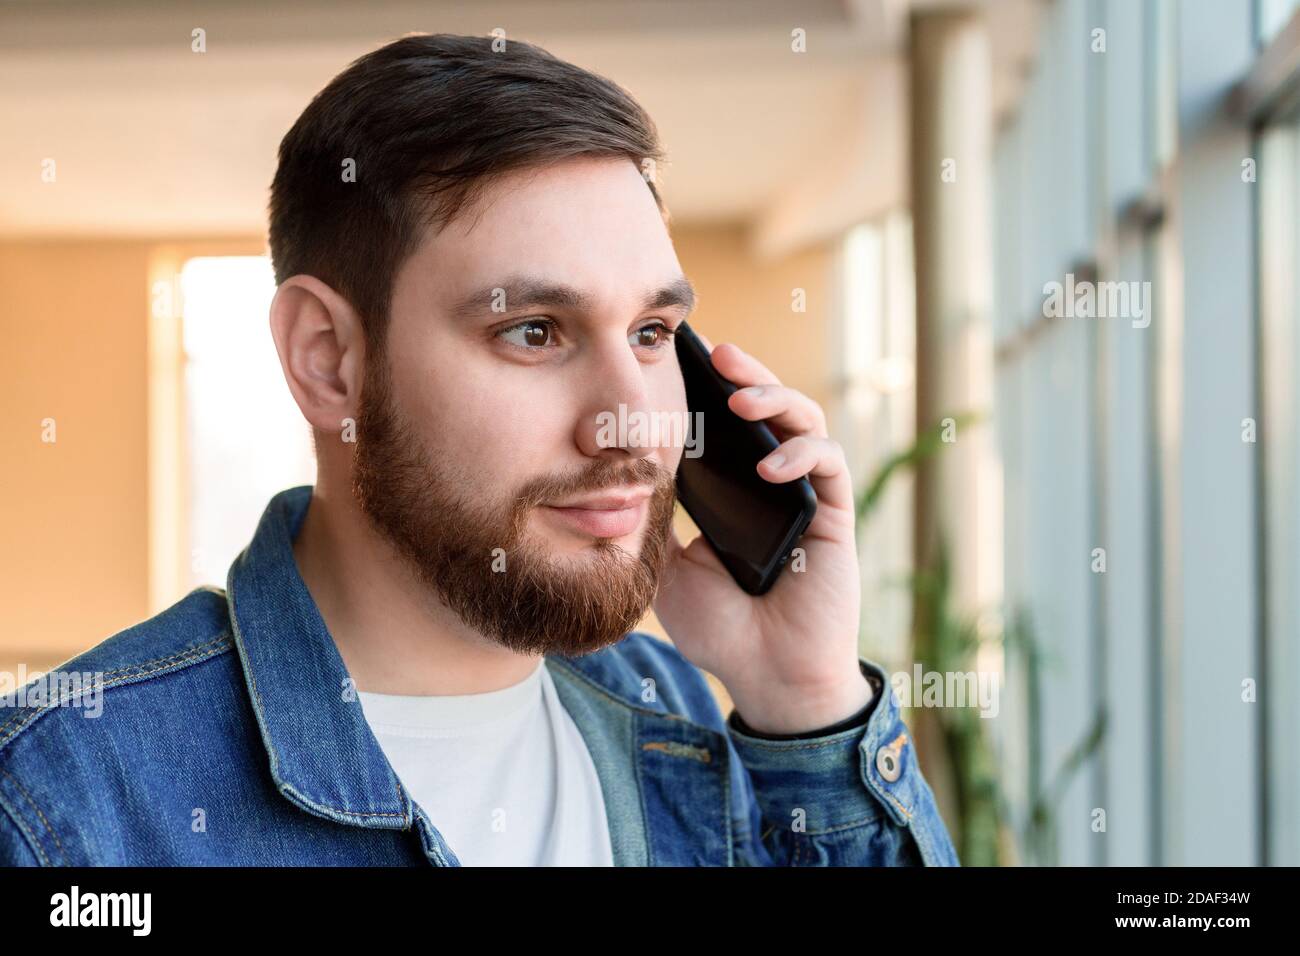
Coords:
603,474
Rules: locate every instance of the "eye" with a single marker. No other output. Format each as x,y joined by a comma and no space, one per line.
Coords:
533,334
654,336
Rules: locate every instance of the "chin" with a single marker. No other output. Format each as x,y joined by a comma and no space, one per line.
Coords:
570,555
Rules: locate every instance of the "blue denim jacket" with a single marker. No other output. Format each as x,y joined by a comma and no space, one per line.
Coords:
225,735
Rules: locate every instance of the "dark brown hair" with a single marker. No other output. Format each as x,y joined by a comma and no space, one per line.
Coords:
429,121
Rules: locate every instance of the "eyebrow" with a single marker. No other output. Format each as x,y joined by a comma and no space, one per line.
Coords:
527,292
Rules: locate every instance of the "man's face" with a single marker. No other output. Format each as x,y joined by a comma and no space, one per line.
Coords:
480,449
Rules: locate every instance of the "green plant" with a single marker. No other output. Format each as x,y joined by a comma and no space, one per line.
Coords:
927,443
951,644
947,641
1038,833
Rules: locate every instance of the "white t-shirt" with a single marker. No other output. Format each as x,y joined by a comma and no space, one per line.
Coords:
504,776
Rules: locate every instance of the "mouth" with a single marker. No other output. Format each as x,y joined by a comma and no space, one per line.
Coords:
606,515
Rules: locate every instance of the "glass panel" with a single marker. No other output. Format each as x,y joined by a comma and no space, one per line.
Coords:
1272,17
1279,180
874,414
246,437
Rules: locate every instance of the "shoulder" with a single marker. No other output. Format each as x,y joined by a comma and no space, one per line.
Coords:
642,670
72,738
191,631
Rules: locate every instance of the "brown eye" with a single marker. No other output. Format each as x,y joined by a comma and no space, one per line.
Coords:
651,336
531,334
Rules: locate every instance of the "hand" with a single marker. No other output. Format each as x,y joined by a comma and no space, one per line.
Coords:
788,658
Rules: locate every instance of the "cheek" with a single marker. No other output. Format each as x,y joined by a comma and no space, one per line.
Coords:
667,394
667,388
481,421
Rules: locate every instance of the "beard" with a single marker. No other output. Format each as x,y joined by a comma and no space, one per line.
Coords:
477,557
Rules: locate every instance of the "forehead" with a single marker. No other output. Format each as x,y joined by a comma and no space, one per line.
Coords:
589,223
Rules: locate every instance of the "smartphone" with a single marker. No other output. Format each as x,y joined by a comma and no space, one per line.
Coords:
751,523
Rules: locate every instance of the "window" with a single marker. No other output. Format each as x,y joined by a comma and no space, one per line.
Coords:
873,414
1272,16
245,436
1278,152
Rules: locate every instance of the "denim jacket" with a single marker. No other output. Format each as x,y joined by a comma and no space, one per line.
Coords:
226,734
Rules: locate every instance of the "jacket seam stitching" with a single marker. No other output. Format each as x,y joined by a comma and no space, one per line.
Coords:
320,804
640,791
726,806
851,825
167,663
894,800
44,822
838,740
28,837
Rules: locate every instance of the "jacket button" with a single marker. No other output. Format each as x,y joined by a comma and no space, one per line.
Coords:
888,764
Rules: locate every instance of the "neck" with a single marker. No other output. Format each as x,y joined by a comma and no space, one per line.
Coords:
394,636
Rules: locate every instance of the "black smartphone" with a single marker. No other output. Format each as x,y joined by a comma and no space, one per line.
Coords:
752,524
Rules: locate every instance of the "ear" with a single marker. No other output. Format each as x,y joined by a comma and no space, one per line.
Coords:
318,336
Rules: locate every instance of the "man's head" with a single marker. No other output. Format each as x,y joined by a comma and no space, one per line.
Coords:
474,268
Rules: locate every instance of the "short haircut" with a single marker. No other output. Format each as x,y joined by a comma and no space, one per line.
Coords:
427,122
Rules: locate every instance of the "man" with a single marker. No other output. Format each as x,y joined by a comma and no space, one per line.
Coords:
426,658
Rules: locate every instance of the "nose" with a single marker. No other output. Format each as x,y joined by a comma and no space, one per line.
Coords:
616,420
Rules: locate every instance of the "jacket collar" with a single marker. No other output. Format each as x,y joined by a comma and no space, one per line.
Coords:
323,755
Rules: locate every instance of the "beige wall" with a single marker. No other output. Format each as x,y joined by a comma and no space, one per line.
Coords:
74,519
748,301
73,534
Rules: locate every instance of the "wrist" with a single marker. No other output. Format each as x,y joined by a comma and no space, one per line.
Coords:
802,713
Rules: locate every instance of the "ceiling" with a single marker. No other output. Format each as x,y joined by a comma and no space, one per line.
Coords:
152,139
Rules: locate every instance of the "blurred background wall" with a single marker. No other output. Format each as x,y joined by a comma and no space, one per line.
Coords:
1092,504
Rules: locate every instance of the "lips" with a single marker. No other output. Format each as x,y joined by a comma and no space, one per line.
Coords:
608,515
607,501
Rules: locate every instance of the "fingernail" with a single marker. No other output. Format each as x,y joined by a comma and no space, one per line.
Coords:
755,390
774,460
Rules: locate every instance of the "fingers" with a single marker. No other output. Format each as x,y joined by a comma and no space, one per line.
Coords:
741,368
820,459
808,451
790,411
762,396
